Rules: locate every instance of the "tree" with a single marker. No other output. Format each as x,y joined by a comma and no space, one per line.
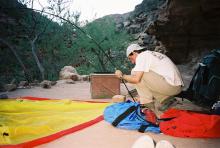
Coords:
110,43
45,45
13,49
40,25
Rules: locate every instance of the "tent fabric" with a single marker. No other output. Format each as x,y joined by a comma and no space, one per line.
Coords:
190,124
30,121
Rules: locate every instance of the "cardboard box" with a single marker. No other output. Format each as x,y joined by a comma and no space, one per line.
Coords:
104,86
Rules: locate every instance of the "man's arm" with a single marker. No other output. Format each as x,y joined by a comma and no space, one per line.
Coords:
134,79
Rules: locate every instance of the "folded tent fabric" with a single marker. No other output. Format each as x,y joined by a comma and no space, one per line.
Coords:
35,121
190,124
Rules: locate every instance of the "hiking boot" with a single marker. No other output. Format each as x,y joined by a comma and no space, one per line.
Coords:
170,102
148,110
150,116
147,106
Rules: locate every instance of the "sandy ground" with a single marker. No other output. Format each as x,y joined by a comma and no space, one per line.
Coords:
102,134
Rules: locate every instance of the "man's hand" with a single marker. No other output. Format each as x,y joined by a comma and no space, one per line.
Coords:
118,74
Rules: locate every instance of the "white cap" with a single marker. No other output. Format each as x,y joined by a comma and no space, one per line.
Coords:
132,48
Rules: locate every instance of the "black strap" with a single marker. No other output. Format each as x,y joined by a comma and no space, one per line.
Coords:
143,128
193,78
165,119
124,115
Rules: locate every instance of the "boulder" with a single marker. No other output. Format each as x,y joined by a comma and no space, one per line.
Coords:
3,96
68,72
53,83
46,84
85,78
24,84
10,87
35,83
70,81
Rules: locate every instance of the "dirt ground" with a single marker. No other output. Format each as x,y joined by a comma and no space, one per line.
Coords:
101,134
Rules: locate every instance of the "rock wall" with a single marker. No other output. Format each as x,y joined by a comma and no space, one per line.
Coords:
186,28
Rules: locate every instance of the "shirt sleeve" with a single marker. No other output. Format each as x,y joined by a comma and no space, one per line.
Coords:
143,62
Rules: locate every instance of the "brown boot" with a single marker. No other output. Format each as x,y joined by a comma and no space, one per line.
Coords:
148,109
166,104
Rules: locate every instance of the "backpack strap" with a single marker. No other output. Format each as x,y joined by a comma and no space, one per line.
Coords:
193,78
188,92
143,128
124,115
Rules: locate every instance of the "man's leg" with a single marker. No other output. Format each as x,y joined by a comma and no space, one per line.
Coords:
154,86
144,93
146,101
159,87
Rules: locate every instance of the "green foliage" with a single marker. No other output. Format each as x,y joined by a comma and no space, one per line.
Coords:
112,43
58,44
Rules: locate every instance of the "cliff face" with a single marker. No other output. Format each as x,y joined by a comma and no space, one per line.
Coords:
185,28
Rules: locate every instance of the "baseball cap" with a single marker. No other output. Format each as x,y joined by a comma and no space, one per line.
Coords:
132,48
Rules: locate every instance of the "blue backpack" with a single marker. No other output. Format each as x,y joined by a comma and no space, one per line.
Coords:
127,115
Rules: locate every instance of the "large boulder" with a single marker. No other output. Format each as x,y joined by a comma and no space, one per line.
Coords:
23,84
84,78
47,83
69,72
10,87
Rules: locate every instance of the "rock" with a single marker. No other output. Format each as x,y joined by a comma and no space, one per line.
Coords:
161,48
119,27
70,81
70,69
3,96
126,23
35,83
68,72
23,84
53,83
85,78
118,98
10,87
134,28
74,77
46,84
144,39
182,27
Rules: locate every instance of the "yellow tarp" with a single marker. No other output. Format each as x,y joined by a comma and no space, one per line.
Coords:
24,120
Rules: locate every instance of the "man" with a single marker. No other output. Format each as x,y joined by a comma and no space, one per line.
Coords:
155,77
